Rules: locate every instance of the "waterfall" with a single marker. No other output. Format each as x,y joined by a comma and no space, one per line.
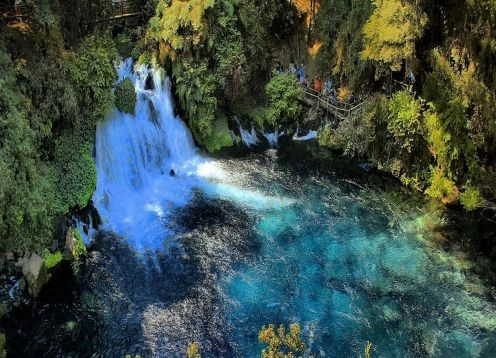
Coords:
135,194
310,135
273,138
134,154
248,138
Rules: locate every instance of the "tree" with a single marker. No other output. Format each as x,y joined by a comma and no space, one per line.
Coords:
284,95
391,31
178,26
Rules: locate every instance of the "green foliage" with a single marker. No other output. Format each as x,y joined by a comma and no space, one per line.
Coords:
178,25
339,27
353,135
405,123
220,136
440,186
284,95
281,344
3,345
51,260
93,74
74,173
26,220
195,86
79,247
325,136
232,67
375,117
391,31
125,96
471,198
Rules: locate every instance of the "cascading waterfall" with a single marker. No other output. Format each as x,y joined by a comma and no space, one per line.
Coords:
134,154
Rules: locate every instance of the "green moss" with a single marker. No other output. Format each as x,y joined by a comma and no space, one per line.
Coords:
220,136
51,260
125,96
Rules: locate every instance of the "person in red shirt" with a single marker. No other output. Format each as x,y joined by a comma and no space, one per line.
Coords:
318,85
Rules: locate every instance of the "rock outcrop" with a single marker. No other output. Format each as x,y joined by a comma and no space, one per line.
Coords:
34,272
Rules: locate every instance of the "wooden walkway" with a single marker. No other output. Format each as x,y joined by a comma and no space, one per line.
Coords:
340,110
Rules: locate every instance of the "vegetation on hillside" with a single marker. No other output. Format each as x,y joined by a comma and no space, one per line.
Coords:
433,126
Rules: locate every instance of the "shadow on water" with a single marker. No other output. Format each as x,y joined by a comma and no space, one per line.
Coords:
117,301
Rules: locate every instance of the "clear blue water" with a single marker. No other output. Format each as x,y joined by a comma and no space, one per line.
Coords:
353,264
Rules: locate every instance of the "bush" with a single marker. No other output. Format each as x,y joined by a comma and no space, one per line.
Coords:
471,198
51,260
74,173
284,100
441,187
220,136
125,96
79,247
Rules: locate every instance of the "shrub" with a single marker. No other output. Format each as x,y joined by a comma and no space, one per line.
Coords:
440,186
471,198
220,136
79,247
74,173
125,96
51,260
284,100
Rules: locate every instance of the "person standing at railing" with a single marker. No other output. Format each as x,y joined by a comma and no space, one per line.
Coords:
332,96
318,85
302,73
329,86
352,98
306,82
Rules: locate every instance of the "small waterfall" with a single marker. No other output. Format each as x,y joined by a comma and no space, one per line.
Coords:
273,138
310,135
248,138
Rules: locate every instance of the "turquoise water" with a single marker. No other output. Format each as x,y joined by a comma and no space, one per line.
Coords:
353,264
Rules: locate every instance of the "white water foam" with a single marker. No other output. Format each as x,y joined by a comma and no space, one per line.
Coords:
310,135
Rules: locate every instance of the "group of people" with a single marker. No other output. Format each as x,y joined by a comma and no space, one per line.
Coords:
325,88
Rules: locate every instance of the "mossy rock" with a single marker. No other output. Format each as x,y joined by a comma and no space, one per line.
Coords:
125,96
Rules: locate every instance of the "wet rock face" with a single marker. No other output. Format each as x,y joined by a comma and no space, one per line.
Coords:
157,303
34,272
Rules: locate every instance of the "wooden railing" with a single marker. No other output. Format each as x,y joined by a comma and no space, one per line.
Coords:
340,110
10,11
124,8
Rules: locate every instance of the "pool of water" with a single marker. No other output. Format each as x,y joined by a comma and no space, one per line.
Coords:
352,263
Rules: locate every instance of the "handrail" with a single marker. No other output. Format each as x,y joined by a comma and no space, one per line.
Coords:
340,110
123,8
